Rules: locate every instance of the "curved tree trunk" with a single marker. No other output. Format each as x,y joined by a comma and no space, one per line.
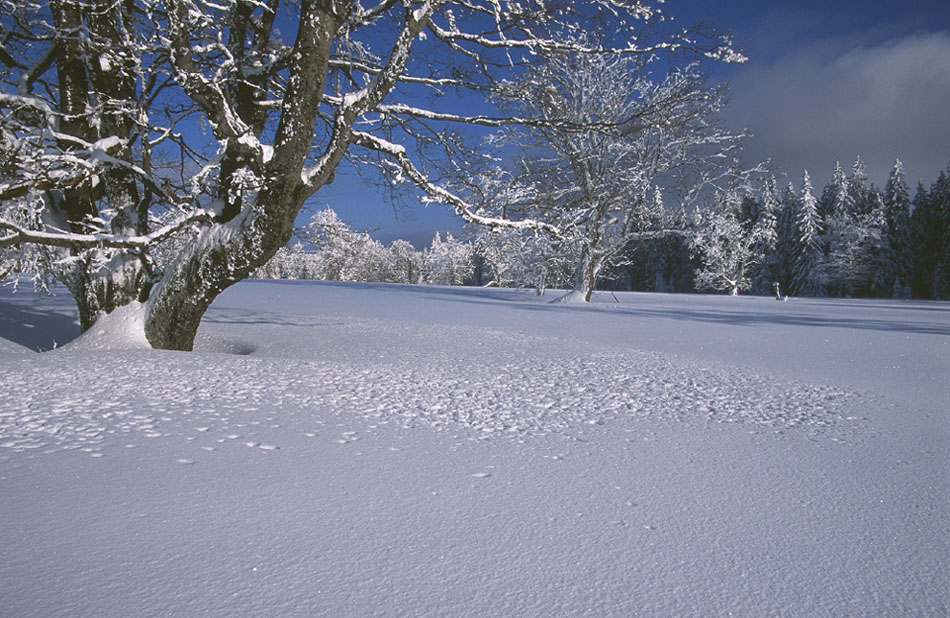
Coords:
220,257
250,231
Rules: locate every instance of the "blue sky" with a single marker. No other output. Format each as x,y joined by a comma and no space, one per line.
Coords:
826,81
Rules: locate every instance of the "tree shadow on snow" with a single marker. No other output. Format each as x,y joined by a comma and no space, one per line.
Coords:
784,315
39,329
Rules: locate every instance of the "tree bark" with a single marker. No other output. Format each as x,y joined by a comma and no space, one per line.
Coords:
230,250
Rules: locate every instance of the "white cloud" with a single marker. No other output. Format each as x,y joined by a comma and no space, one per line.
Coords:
826,103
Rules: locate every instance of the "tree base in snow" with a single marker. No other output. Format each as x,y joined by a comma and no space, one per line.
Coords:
574,297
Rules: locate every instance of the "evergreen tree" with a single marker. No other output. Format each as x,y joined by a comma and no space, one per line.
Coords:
858,188
837,209
786,239
808,251
836,199
749,210
680,264
900,258
764,272
940,206
929,235
855,261
875,256
655,251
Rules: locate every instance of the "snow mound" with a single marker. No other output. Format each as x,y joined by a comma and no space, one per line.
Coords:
574,297
122,329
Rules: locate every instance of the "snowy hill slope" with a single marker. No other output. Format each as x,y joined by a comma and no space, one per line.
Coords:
355,450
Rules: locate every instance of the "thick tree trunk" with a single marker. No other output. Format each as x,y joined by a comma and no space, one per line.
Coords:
220,257
248,235
100,280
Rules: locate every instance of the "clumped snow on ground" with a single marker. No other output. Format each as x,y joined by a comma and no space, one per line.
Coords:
356,450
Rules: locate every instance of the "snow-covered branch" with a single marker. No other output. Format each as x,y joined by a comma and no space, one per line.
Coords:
18,235
467,211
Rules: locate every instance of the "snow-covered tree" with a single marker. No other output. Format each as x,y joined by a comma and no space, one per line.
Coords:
503,251
648,127
230,115
786,242
940,195
345,254
726,248
858,188
37,261
764,272
292,262
855,261
368,260
852,227
806,279
336,244
836,199
931,239
406,262
897,211
447,262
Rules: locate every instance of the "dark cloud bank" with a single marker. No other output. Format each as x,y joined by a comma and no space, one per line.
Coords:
831,102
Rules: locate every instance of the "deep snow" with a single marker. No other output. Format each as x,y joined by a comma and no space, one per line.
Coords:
356,450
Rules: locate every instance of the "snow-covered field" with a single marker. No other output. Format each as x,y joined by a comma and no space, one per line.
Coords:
373,450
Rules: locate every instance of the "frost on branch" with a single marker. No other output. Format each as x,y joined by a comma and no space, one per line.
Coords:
612,133
727,250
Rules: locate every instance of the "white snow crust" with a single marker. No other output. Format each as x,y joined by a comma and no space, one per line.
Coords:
359,450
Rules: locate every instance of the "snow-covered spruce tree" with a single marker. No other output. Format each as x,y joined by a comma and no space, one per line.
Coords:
806,274
897,211
935,249
230,115
858,188
852,229
726,248
836,200
855,263
623,126
836,209
930,233
786,239
764,272
877,254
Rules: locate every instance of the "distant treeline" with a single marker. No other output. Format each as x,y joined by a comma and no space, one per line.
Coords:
851,239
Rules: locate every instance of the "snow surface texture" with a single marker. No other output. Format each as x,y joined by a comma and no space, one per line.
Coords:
346,449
